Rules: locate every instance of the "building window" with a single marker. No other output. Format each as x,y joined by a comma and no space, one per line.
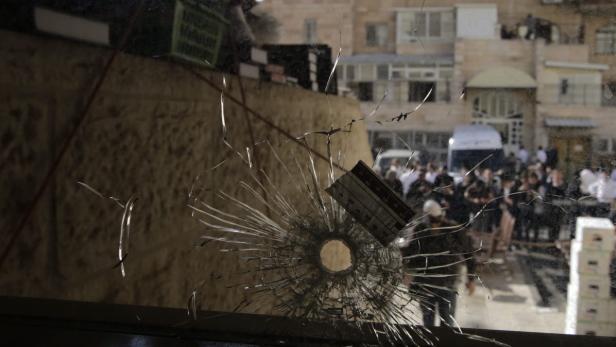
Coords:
376,35
382,72
501,111
496,105
418,140
365,91
606,40
426,24
310,31
419,90
434,24
383,141
350,72
601,145
367,72
420,24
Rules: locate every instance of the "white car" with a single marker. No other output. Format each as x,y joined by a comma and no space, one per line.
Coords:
384,159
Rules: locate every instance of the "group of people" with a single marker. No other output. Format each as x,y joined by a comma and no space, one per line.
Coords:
531,194
530,28
534,194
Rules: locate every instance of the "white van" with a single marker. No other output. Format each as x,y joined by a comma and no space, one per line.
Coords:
473,145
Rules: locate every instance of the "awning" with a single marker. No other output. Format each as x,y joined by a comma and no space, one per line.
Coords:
559,122
502,77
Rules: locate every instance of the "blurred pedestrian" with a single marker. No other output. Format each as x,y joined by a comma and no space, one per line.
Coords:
431,173
604,190
555,196
433,235
393,182
531,25
396,167
407,178
523,156
542,156
419,191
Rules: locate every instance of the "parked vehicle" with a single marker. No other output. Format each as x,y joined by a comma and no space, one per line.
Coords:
474,146
384,159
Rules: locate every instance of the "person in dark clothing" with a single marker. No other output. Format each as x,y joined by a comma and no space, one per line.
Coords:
529,191
443,178
393,182
434,235
555,196
419,191
522,216
444,193
573,193
509,192
531,25
510,163
492,210
459,210
477,195
552,157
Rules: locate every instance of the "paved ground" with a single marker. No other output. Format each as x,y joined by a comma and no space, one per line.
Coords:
508,301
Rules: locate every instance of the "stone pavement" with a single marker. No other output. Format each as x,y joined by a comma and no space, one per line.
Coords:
508,301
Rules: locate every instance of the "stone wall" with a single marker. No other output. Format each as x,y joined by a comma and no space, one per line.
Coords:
153,128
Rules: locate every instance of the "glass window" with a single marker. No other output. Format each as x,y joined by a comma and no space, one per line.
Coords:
350,72
432,140
310,30
419,90
427,24
367,72
376,34
383,141
601,145
382,72
418,140
490,105
606,40
420,24
366,92
434,24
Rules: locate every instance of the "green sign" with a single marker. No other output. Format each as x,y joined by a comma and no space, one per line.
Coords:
197,32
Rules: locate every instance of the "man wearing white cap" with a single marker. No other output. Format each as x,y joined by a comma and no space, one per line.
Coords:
432,256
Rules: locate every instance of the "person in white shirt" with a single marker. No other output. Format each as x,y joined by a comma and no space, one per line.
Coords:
587,178
542,156
603,189
431,174
523,156
396,167
407,178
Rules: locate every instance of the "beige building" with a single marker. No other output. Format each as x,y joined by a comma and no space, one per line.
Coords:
473,61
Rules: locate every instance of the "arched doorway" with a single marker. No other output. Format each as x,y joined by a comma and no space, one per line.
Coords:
501,110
